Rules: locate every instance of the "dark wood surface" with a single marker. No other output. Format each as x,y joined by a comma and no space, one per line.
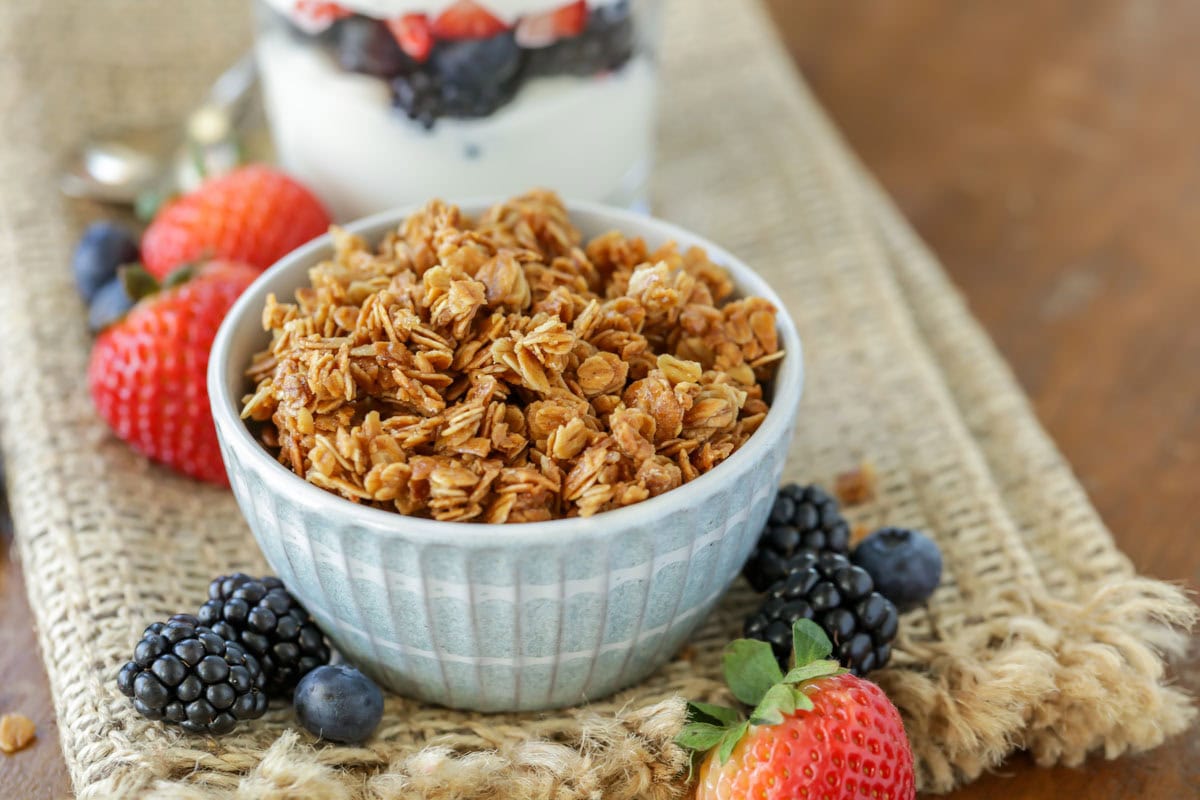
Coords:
1049,152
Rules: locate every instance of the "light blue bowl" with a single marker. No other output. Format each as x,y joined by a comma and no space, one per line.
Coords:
503,617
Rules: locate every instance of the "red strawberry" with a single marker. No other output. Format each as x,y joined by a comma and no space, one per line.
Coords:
817,732
412,33
254,214
466,19
314,16
147,372
543,30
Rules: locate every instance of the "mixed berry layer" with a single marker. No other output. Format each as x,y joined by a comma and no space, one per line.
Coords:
466,62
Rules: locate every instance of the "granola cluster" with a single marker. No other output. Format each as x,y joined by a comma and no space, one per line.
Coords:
503,371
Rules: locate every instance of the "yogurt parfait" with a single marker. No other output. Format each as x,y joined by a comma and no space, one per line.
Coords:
376,103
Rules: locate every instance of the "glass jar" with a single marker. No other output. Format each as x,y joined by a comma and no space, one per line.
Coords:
376,103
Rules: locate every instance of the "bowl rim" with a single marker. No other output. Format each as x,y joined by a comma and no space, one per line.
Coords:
233,431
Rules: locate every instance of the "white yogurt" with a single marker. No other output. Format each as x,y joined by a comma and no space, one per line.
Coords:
587,138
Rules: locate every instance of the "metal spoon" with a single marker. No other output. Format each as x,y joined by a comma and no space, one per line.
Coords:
119,168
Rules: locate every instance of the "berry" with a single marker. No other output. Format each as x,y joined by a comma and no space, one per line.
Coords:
542,30
254,214
147,372
412,33
840,598
471,65
465,79
813,732
605,44
803,518
466,19
368,46
419,96
339,703
906,565
109,305
185,674
263,617
103,247
315,16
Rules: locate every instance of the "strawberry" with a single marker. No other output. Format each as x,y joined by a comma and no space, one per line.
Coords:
543,30
466,19
255,215
314,16
147,372
816,732
412,33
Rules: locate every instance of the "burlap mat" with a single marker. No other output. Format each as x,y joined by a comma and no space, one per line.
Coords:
1041,638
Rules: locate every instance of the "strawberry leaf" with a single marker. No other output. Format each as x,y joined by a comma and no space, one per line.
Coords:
137,281
717,715
751,670
779,701
809,642
803,701
730,740
180,275
817,669
700,736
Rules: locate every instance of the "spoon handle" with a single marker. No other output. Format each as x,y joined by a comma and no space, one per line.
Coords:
234,84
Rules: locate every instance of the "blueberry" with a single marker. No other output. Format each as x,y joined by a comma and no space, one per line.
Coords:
474,64
109,304
339,703
366,45
906,565
103,247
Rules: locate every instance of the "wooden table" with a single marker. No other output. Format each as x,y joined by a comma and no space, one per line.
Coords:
1049,152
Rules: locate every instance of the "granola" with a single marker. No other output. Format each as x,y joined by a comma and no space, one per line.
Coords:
17,731
502,370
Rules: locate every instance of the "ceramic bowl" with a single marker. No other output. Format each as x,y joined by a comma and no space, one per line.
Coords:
504,617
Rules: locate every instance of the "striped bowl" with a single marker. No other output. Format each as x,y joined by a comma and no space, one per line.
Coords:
503,617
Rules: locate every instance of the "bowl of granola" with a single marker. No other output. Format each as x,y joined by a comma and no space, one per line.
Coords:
509,455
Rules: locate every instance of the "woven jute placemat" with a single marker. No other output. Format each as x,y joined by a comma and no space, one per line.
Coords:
1042,637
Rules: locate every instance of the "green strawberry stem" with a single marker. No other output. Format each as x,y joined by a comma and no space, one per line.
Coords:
755,679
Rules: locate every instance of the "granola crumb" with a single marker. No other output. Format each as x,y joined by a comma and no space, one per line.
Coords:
17,731
856,486
858,533
504,370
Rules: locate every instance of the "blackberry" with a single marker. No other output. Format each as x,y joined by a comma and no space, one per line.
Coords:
261,615
419,96
606,43
839,597
186,674
803,518
367,46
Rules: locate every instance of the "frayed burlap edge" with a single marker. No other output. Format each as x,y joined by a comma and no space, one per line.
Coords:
629,755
